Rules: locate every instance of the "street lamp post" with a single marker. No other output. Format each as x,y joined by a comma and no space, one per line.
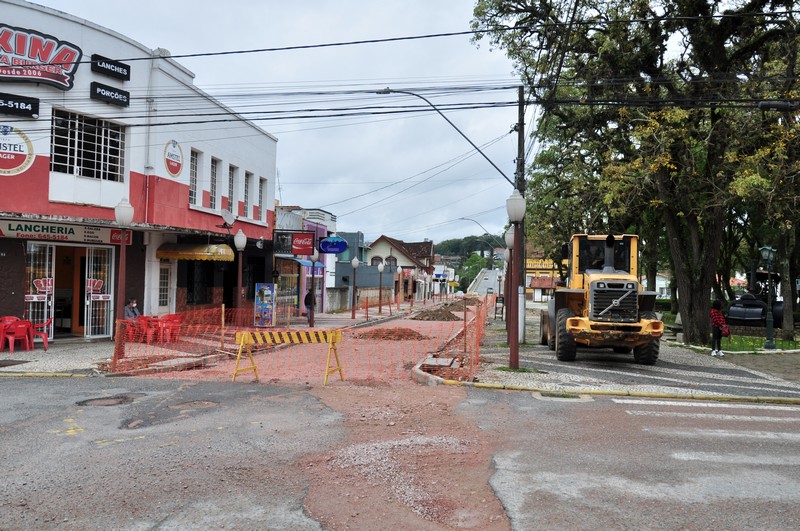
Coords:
515,205
768,255
400,287
240,241
314,257
123,213
512,324
380,288
354,262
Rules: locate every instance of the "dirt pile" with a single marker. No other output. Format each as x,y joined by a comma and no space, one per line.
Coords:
439,314
391,334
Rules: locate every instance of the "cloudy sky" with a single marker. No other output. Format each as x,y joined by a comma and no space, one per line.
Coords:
408,175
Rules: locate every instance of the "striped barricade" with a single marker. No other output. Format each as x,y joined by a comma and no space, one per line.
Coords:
289,337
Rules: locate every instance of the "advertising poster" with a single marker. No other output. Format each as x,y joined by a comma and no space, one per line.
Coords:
265,305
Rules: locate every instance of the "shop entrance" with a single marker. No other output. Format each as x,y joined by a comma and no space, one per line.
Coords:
73,285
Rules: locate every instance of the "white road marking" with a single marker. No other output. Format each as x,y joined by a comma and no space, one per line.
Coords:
683,403
737,459
710,416
725,434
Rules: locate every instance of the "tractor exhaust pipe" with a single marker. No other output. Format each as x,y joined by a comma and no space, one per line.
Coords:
608,257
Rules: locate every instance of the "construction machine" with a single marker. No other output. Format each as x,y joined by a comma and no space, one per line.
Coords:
601,303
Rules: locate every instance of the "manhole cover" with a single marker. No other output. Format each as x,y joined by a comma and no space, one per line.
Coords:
115,400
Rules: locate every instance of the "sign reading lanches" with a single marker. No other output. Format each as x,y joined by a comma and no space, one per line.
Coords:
27,55
111,68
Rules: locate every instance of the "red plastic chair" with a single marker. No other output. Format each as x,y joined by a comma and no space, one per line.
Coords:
142,329
171,327
42,330
19,331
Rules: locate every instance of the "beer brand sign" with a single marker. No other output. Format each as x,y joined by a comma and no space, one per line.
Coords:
16,151
173,158
27,55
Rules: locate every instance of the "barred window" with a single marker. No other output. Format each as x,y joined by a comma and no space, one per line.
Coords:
199,276
262,183
87,147
247,178
193,163
231,199
213,185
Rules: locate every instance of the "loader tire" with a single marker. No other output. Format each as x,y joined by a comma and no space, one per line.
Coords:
647,354
565,344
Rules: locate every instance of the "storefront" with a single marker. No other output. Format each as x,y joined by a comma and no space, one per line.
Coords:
68,277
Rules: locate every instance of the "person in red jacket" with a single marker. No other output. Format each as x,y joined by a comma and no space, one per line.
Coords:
718,324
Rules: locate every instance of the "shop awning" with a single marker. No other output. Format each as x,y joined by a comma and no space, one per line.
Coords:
218,252
301,261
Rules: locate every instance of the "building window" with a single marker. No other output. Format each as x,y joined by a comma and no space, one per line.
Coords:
247,178
163,286
231,182
213,186
391,261
87,147
193,163
376,260
262,184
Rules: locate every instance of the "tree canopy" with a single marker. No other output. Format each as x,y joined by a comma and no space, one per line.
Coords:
650,123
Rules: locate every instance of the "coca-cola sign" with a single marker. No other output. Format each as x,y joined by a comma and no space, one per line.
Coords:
303,243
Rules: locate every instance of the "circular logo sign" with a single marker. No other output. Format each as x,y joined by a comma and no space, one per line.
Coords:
16,151
173,158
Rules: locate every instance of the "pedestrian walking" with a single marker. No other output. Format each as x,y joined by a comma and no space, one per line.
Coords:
309,301
719,328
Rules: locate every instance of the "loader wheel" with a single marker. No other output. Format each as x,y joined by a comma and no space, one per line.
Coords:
565,344
647,354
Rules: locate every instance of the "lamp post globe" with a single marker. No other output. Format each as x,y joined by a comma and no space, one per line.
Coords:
515,207
509,237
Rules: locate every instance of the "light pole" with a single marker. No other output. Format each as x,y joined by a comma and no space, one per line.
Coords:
123,213
400,287
512,323
354,263
314,257
380,287
240,241
768,255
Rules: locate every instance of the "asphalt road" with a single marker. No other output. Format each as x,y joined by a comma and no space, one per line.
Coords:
137,453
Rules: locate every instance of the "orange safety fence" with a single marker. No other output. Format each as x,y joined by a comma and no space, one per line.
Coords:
443,338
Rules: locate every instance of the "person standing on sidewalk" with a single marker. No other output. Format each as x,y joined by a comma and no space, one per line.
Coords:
719,328
309,302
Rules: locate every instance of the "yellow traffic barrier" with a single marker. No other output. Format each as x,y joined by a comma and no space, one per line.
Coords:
331,337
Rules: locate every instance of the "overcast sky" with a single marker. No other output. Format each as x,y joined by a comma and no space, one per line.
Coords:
410,176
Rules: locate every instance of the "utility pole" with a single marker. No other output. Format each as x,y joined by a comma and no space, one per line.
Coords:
519,249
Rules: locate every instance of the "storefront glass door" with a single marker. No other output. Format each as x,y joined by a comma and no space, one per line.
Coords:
99,300
41,281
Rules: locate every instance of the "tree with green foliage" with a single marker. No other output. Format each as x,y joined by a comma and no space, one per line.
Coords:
649,119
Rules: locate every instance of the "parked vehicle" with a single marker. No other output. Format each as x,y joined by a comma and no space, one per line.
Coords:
601,302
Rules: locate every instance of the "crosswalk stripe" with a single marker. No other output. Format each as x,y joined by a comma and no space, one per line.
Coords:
711,416
725,434
683,403
737,459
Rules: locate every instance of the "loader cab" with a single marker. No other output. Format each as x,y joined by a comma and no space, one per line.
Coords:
606,254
